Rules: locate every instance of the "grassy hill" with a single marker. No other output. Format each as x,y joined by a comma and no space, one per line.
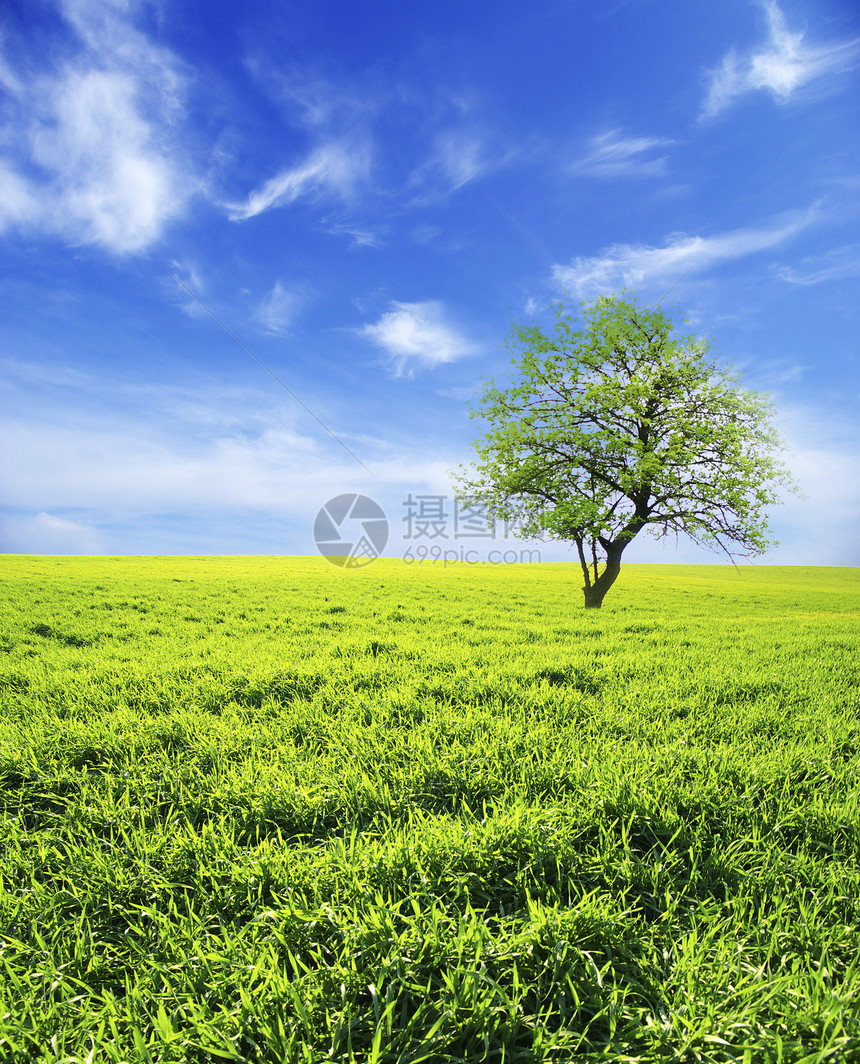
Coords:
263,809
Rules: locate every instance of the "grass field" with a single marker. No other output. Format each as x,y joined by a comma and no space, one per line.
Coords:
262,809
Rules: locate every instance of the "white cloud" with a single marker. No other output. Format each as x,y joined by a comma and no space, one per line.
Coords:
187,278
279,308
321,103
777,372
199,470
784,64
819,528
461,394
313,98
92,153
612,154
838,264
457,158
460,158
334,168
19,203
361,237
118,190
45,533
417,334
129,464
637,265
341,116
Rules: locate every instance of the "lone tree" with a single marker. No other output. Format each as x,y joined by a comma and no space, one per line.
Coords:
619,425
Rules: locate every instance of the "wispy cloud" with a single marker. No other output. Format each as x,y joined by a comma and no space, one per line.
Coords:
782,65
122,468
776,372
317,101
178,449
92,152
334,168
189,275
834,266
361,237
824,457
441,145
20,203
45,533
612,154
635,265
417,334
278,310
322,95
457,158
460,157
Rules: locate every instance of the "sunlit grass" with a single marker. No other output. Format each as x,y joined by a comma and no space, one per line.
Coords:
263,809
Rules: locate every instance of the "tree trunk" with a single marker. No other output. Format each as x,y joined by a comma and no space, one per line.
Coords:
595,591
593,597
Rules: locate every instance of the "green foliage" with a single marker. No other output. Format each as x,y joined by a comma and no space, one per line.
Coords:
266,810
618,423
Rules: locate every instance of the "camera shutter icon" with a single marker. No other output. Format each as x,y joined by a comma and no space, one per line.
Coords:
351,530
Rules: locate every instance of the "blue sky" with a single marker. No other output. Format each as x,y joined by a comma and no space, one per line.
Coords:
367,195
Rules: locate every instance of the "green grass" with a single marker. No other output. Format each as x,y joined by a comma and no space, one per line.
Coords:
261,809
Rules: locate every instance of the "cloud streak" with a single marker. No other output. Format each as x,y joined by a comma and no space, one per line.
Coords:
278,310
120,468
459,158
334,168
417,335
612,154
785,63
45,533
835,266
824,457
638,265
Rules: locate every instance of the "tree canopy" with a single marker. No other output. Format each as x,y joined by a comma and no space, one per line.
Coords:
617,422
